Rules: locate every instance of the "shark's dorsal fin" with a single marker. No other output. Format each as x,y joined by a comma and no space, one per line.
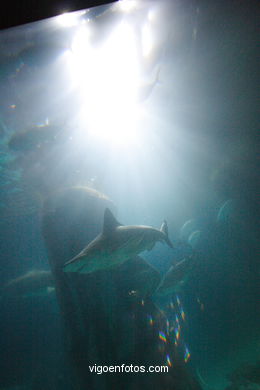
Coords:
164,228
110,223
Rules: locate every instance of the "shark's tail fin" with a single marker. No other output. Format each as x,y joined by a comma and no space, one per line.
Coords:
164,229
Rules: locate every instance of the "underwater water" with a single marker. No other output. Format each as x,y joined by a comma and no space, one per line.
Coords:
149,109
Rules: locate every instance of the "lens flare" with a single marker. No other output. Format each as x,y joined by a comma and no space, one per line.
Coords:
182,313
168,360
167,327
150,320
162,336
187,354
177,335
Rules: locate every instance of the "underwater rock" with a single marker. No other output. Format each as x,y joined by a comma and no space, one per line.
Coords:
72,217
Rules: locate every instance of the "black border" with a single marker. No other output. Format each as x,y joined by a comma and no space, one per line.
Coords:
18,12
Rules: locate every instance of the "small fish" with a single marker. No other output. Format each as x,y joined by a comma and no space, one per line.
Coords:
31,283
34,138
115,245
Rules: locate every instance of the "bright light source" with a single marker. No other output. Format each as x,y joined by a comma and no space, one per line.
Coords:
69,19
127,5
107,78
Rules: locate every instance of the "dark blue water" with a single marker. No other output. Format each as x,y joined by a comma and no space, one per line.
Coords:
154,105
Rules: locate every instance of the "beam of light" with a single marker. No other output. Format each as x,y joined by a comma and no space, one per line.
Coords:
107,79
81,59
147,40
162,336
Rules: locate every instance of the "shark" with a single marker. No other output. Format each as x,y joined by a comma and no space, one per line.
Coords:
116,244
176,276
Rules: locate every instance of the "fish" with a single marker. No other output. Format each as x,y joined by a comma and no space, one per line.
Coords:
136,278
115,245
34,282
176,276
34,138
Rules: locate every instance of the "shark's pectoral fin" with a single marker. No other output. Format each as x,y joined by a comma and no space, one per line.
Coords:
74,265
85,269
